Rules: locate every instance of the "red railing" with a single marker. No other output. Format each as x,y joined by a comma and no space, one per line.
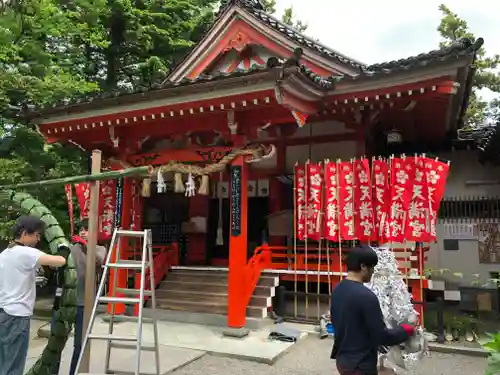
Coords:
164,258
282,257
260,260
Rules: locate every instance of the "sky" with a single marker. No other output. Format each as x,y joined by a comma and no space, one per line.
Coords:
385,30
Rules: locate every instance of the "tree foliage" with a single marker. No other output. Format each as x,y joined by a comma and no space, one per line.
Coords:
54,50
288,17
453,28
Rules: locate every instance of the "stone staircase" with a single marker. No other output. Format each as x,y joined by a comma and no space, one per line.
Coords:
204,290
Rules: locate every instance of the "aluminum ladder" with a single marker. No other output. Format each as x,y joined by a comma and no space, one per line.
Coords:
124,342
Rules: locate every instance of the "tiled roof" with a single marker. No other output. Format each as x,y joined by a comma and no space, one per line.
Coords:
255,8
144,90
463,47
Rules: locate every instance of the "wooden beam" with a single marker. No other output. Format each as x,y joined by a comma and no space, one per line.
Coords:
91,258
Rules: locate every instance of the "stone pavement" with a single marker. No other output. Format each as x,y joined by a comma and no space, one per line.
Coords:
186,348
312,356
180,343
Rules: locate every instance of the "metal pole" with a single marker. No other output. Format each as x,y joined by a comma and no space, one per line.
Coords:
90,273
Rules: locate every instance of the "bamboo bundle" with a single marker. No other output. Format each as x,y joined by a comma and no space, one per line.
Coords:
145,171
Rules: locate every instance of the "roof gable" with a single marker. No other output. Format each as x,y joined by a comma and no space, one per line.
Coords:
241,24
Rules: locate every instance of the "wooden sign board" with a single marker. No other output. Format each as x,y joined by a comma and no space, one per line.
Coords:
235,196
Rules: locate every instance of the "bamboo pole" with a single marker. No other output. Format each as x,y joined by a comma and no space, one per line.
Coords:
319,226
306,239
145,171
90,259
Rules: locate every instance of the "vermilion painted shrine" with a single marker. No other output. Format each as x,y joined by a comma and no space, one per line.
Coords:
253,82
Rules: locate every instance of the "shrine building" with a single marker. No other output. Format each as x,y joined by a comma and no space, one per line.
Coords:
258,97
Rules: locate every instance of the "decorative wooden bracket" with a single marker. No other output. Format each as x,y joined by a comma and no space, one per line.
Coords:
238,42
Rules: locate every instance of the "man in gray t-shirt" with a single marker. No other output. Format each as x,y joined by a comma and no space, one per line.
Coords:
79,254
18,266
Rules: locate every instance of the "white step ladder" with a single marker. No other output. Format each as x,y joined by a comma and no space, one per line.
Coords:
124,342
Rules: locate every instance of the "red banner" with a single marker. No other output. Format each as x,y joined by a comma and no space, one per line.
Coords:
402,176
363,206
332,204
300,202
417,224
346,201
83,197
107,203
381,199
315,201
71,207
436,174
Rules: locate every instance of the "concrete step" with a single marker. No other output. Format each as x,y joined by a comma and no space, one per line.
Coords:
219,320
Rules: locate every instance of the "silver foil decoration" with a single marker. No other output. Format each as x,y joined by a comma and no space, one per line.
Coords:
395,301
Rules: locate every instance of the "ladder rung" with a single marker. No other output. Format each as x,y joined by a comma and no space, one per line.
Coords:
130,264
146,348
130,233
127,318
119,300
112,338
133,292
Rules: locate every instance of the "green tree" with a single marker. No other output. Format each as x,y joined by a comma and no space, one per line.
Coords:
451,29
288,17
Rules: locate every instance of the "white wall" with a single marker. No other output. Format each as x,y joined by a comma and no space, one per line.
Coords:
467,178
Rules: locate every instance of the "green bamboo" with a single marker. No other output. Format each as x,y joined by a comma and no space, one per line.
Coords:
145,171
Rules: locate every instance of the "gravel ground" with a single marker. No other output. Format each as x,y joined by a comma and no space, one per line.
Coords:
312,356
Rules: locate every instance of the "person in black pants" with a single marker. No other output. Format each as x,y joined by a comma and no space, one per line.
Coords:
357,318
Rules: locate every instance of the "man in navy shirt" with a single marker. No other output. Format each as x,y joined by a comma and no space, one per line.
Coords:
357,318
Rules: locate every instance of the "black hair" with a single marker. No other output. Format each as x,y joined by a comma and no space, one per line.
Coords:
84,224
359,256
28,225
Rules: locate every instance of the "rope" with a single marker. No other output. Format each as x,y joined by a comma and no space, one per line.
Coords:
196,170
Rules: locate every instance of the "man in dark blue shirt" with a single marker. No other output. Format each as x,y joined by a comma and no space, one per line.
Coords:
357,318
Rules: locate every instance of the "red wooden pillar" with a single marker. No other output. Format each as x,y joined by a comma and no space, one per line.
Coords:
126,220
236,317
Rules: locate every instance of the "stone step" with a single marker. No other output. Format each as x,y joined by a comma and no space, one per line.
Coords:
213,277
206,307
188,295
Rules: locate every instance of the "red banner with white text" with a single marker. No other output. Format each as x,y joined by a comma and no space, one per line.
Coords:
107,207
71,207
381,199
436,173
82,191
418,219
331,202
391,200
363,205
402,176
300,202
314,185
346,201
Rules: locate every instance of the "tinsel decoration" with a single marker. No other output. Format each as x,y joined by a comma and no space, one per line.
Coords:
395,302
190,186
204,185
146,188
161,185
179,184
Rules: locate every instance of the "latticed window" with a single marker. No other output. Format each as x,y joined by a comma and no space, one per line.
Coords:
470,208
